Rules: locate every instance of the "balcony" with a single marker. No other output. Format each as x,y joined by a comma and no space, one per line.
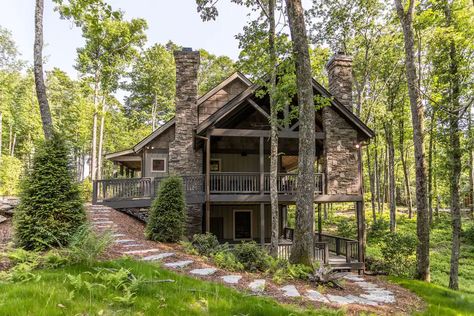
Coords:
140,191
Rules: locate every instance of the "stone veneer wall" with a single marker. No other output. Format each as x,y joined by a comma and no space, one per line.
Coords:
183,158
341,154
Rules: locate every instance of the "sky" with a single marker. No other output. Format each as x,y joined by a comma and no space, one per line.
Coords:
175,20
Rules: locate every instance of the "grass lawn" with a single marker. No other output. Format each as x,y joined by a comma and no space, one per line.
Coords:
56,293
441,301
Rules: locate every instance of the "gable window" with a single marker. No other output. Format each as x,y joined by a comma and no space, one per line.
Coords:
158,165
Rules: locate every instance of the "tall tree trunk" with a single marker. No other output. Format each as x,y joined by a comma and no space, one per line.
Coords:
274,131
430,166
38,70
471,160
154,112
406,176
455,161
385,177
377,175
417,113
391,176
101,141
372,185
94,129
1,134
301,251
12,152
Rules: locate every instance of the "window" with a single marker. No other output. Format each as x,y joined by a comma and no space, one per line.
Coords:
242,224
215,165
158,165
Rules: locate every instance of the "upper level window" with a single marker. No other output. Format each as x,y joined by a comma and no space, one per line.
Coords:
158,165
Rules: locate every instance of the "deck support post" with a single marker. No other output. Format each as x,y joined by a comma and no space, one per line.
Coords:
262,166
208,183
320,224
360,230
262,224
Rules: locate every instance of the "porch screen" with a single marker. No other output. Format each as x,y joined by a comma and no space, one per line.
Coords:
243,225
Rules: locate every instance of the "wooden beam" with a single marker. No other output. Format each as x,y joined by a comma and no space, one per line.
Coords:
259,108
320,223
360,230
262,165
258,133
208,183
262,224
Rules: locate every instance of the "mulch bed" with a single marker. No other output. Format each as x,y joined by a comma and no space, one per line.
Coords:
406,303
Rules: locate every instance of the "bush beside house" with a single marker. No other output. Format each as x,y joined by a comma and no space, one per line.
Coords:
167,218
51,207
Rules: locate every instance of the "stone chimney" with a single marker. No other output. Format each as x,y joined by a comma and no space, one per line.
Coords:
183,158
339,70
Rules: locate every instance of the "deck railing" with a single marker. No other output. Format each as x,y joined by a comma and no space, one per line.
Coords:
220,183
325,243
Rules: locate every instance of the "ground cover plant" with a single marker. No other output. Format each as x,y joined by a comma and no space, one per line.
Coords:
125,287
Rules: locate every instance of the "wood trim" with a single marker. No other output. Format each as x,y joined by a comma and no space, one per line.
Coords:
153,135
259,108
159,171
222,84
258,133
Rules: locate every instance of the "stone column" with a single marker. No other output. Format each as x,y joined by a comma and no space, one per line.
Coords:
340,145
184,159
339,70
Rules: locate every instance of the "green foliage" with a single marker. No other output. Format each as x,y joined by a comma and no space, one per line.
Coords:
398,251
225,259
282,271
468,234
168,212
86,189
55,293
10,171
205,244
252,256
51,209
346,227
86,246
379,228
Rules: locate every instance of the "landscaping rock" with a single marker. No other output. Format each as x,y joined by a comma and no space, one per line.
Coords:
361,300
178,264
341,300
2,219
124,241
231,279
290,291
204,271
315,296
257,286
156,257
142,251
354,278
380,298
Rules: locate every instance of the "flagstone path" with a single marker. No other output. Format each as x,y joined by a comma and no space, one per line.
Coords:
366,295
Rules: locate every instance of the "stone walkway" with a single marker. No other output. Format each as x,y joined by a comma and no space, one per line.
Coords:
368,294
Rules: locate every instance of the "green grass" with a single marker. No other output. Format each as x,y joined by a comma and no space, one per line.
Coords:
53,294
441,301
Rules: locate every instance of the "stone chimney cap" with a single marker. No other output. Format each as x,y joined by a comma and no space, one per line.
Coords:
340,56
187,49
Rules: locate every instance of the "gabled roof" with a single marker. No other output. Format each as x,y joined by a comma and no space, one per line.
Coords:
225,82
153,135
244,95
119,153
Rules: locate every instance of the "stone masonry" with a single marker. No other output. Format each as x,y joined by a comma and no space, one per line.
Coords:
183,158
341,144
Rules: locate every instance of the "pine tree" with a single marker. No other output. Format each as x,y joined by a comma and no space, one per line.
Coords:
168,212
51,208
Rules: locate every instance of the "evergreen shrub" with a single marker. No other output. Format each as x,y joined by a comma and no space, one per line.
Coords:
167,217
51,208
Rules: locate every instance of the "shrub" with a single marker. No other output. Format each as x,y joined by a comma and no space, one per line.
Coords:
86,189
252,256
87,246
10,171
205,244
168,212
398,251
282,271
51,208
346,227
226,259
379,228
468,234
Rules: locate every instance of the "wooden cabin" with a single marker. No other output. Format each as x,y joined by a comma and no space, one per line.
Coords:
219,144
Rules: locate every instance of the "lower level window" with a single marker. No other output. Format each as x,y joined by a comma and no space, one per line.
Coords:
158,165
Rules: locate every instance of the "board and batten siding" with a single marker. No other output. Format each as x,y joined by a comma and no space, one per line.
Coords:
227,213
158,148
239,163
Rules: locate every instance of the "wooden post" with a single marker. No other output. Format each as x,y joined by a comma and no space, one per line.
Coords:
208,183
320,224
360,230
262,224
262,166
348,252
94,192
121,170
